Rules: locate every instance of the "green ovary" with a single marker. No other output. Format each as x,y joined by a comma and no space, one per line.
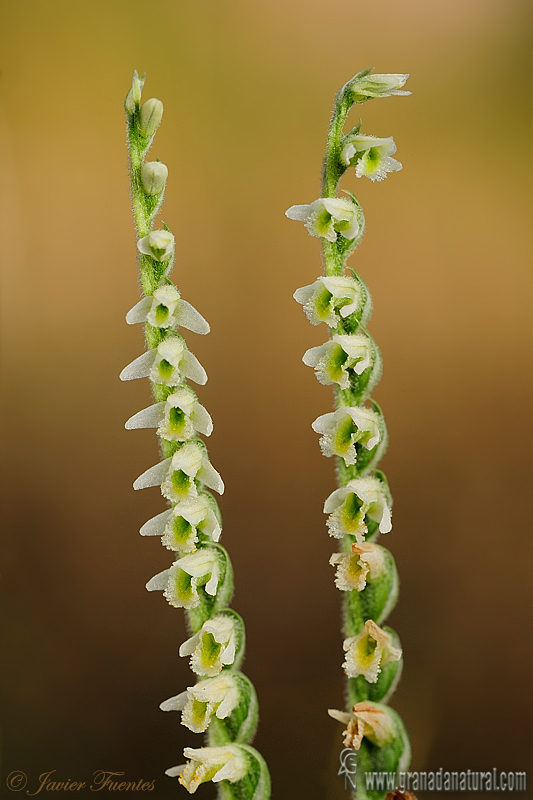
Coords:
165,368
161,314
210,650
366,650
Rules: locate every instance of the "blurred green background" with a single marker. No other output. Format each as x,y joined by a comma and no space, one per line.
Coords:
248,88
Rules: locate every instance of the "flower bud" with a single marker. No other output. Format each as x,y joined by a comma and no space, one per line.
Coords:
133,98
365,86
150,116
154,175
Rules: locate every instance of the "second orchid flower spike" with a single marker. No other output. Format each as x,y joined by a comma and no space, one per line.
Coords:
359,510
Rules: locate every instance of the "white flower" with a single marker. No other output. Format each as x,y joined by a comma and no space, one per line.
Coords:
168,363
353,568
183,416
180,583
364,86
166,309
179,526
367,719
328,216
333,359
219,696
213,647
345,427
368,652
159,244
188,464
177,418
227,763
177,475
360,498
330,299
370,155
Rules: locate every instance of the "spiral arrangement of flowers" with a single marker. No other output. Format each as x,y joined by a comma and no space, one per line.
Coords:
359,511
222,702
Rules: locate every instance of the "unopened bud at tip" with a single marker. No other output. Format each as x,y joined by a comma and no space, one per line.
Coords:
133,98
154,175
150,116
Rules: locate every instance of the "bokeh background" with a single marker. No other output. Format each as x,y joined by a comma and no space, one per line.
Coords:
248,88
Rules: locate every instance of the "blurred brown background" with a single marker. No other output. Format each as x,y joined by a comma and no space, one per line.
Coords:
248,88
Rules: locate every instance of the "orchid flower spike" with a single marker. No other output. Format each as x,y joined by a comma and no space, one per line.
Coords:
201,578
350,361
